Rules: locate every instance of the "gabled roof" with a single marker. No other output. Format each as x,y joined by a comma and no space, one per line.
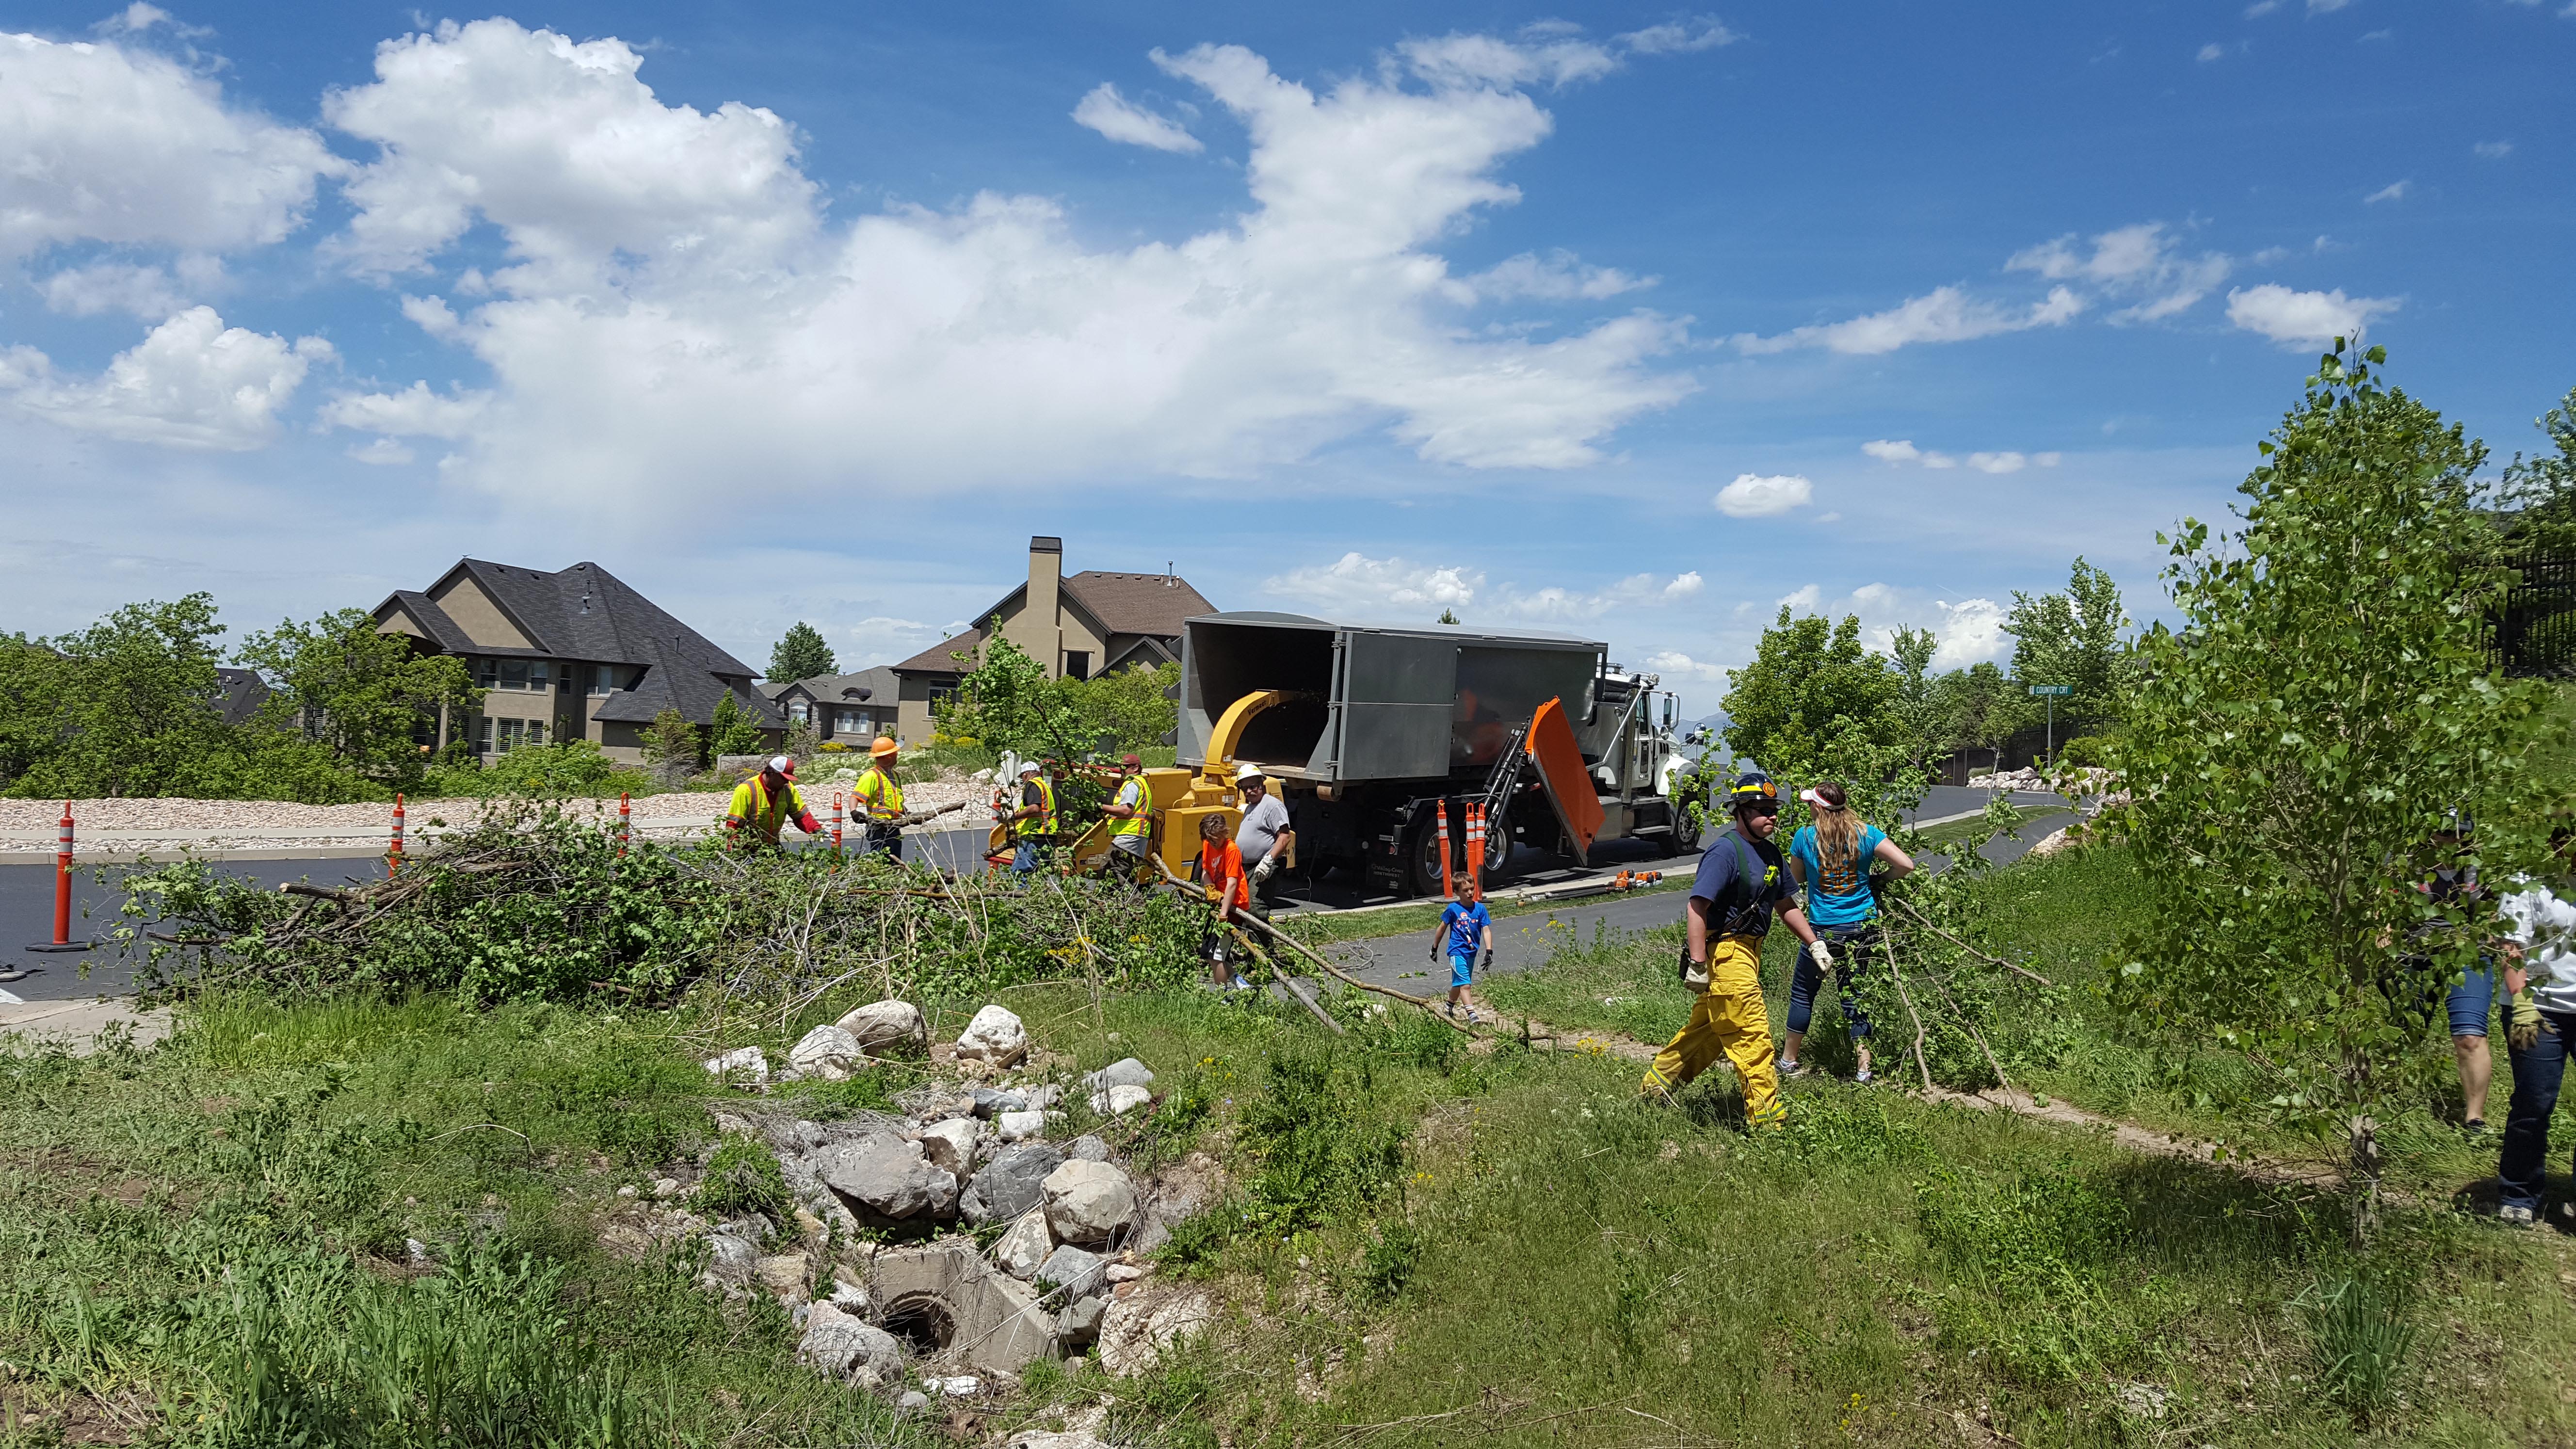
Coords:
1137,603
935,660
880,682
587,614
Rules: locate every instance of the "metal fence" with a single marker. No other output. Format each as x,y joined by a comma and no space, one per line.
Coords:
2535,629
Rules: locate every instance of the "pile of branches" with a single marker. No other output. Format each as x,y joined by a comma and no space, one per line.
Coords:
528,904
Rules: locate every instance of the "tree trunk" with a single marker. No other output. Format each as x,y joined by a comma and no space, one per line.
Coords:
2364,1136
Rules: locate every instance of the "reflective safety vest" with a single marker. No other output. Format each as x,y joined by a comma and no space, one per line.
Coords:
1134,792
884,800
762,811
1042,823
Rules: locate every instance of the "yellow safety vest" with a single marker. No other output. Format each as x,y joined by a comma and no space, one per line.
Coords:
887,797
1042,823
1142,822
762,810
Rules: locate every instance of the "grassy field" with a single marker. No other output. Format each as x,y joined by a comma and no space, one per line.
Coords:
205,1242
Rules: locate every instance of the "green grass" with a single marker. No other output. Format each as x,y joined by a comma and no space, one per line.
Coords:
1326,927
1976,829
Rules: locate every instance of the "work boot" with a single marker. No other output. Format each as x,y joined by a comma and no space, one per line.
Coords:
2514,1217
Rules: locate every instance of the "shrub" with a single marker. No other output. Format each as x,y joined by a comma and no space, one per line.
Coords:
743,1177
564,768
2359,1326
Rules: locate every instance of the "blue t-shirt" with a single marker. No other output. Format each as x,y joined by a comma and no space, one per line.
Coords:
1466,926
1742,884
1837,897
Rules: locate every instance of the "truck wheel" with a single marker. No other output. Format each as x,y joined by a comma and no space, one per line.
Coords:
1422,859
1685,831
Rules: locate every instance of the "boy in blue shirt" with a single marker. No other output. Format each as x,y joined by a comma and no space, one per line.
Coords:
1467,935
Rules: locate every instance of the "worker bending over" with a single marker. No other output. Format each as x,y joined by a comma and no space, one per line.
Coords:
1220,873
1033,822
1741,884
1131,813
880,801
763,802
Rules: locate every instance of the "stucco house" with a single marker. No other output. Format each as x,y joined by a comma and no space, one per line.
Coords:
569,654
850,708
1078,626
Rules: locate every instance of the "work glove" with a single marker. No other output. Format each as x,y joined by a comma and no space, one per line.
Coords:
1261,872
1823,954
1485,962
2523,1028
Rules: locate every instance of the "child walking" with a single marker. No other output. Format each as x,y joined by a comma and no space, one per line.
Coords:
1467,935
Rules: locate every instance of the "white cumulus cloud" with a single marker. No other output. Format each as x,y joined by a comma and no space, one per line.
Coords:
1558,277
99,142
191,383
148,292
2393,191
2303,319
1677,667
1119,119
1902,450
415,412
1752,496
1945,314
1358,585
2140,261
678,308
2213,51
2493,150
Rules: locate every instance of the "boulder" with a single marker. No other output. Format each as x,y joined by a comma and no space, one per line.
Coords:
991,1102
1078,1273
1078,1326
1011,1184
995,1038
839,1344
1025,1246
730,1262
1119,1101
1137,1329
887,1181
880,1025
827,1052
1088,1148
1041,1098
1020,1126
1088,1202
852,1299
749,1063
950,1145
784,1273
1126,1273
1125,1073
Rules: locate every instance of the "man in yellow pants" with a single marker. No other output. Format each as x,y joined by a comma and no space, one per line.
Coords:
1741,885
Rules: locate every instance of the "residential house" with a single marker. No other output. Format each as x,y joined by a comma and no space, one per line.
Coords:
571,654
851,708
1078,626
239,693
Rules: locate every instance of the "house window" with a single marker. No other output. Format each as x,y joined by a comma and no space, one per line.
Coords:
609,678
798,711
516,675
849,722
508,734
1077,664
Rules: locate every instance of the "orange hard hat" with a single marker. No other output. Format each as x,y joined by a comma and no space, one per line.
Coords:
883,749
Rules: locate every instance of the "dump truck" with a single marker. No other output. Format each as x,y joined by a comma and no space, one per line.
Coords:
1376,733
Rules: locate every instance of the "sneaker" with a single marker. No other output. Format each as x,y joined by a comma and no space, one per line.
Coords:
1450,1008
2515,1217
2479,1134
1472,1017
1790,1067
1861,1076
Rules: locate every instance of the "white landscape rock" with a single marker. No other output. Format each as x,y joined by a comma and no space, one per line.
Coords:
1088,1202
1120,1100
1025,1246
891,1180
840,1344
1020,1126
882,1024
950,1145
751,1062
1127,1072
995,1037
1136,1330
827,1052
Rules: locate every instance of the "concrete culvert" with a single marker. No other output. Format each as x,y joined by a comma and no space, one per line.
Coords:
946,1301
925,1322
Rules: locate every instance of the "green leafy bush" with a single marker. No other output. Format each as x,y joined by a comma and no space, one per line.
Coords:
743,1177
565,768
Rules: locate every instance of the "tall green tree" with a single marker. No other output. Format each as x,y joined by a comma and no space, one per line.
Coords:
1978,708
1816,704
800,653
1917,702
2293,747
670,746
1007,701
733,730
126,707
359,693
2073,639
1133,706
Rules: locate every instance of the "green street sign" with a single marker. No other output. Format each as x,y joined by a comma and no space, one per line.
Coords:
2059,690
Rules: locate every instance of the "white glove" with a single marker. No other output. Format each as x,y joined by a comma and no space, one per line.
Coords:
1262,871
1823,954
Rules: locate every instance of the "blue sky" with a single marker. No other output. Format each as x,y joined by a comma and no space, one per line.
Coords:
1632,328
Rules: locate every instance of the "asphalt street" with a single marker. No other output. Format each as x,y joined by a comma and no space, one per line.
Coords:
1520,943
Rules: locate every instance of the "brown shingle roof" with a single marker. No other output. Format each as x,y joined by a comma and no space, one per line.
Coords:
1138,603
935,660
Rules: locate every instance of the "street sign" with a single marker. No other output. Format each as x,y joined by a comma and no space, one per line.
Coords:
2058,690
2052,693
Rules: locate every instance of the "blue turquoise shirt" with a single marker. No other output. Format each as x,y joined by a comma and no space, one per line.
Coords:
1466,926
1838,897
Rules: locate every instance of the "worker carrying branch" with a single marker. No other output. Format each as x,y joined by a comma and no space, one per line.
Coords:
1131,809
762,803
880,801
1741,885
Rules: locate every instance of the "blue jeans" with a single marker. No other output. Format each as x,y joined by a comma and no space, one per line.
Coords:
2523,1168
1808,978
1024,856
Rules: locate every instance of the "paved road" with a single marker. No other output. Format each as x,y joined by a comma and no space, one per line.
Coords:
27,901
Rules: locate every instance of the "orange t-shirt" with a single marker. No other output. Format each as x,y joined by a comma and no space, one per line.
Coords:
1222,860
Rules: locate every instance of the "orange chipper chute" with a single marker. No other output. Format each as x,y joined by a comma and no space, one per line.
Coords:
1560,770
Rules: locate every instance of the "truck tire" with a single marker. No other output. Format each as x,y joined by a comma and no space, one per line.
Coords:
1685,830
1422,858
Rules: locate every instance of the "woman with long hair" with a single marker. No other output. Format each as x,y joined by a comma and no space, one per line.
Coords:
1842,863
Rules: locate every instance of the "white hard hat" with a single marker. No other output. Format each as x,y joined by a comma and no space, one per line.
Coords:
1246,771
1030,766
